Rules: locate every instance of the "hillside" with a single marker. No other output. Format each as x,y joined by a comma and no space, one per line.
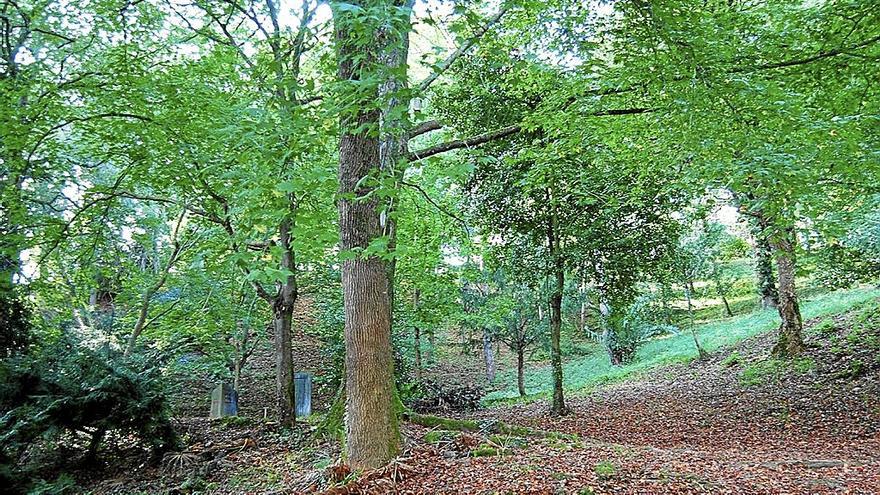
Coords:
738,422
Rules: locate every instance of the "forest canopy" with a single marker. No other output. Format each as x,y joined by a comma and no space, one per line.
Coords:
423,204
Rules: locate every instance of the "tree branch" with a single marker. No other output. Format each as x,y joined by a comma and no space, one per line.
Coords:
803,61
464,143
504,132
442,66
65,123
424,128
437,206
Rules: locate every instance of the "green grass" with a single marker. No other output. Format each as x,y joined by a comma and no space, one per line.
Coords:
760,372
585,373
732,360
604,469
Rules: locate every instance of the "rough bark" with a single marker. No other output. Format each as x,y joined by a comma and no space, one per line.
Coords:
371,428
282,306
285,407
790,341
488,356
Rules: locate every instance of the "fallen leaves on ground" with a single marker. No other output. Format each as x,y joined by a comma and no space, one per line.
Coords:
688,429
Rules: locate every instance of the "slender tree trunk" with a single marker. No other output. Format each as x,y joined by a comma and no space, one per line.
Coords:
790,342
417,338
767,291
236,376
727,310
283,306
429,357
94,443
371,428
285,403
10,253
558,407
417,343
700,351
667,309
393,124
488,356
520,372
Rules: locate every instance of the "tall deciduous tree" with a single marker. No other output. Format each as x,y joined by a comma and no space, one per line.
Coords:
371,430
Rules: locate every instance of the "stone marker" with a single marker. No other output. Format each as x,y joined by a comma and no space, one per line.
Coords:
303,394
224,401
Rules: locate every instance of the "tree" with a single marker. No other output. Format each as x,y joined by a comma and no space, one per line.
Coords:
519,326
371,433
372,39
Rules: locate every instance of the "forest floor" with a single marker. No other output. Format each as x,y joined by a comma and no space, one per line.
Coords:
738,422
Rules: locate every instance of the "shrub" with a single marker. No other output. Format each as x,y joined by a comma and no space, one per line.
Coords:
763,371
71,390
484,450
842,266
627,330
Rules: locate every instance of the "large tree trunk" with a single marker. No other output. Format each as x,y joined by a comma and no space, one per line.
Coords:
558,407
790,342
372,436
520,372
488,356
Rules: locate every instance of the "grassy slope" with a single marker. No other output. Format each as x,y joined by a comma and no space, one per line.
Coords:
596,369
